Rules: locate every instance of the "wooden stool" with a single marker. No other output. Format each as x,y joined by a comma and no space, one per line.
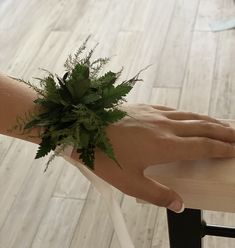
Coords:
203,185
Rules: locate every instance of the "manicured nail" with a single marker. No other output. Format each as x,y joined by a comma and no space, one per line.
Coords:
176,206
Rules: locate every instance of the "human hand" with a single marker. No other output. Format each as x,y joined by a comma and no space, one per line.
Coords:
157,134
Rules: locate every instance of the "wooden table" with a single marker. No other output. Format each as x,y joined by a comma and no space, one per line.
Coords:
203,185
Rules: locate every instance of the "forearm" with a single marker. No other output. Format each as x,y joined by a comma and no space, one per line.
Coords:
16,99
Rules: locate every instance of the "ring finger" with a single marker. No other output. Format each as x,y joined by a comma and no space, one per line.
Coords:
176,115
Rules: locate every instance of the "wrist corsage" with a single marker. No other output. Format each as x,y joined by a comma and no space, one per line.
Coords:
77,107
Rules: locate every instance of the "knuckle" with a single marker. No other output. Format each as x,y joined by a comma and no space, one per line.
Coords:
192,114
228,149
207,145
204,123
163,199
208,127
206,141
163,122
230,131
165,140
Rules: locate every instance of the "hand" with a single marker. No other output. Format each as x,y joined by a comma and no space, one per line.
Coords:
157,134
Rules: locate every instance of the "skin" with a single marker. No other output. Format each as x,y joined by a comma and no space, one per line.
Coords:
149,135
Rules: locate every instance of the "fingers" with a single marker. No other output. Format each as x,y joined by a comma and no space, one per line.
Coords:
203,129
160,107
176,115
194,148
157,194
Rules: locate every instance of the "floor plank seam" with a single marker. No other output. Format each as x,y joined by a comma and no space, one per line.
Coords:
188,53
16,196
45,209
68,197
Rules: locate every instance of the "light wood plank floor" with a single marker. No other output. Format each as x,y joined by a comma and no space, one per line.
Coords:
192,69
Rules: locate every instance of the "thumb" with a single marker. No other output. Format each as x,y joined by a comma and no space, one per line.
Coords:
160,195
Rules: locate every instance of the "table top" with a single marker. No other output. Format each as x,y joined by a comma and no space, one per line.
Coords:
203,184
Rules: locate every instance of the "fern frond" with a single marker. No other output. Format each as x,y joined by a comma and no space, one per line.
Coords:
35,88
97,65
77,107
86,60
71,61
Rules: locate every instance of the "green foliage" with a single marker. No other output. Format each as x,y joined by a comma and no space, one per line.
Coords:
112,115
79,82
45,147
78,107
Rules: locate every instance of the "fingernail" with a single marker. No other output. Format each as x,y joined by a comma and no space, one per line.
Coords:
176,206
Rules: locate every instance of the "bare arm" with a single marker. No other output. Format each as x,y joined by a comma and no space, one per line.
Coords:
15,100
157,134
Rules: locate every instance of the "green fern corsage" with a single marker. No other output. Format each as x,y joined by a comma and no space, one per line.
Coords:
78,107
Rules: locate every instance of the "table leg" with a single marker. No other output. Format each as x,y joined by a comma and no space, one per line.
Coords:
185,229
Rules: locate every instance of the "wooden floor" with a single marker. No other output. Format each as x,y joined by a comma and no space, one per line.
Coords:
192,69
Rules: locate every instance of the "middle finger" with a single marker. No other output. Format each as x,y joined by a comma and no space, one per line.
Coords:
198,128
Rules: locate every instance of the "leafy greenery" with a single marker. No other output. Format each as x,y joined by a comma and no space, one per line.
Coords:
78,107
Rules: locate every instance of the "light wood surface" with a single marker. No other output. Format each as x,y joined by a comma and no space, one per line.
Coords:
192,69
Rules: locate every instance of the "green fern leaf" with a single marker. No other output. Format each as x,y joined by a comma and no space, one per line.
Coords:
112,116
44,147
113,95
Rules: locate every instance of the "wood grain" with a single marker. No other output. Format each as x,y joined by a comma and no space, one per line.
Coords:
177,45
